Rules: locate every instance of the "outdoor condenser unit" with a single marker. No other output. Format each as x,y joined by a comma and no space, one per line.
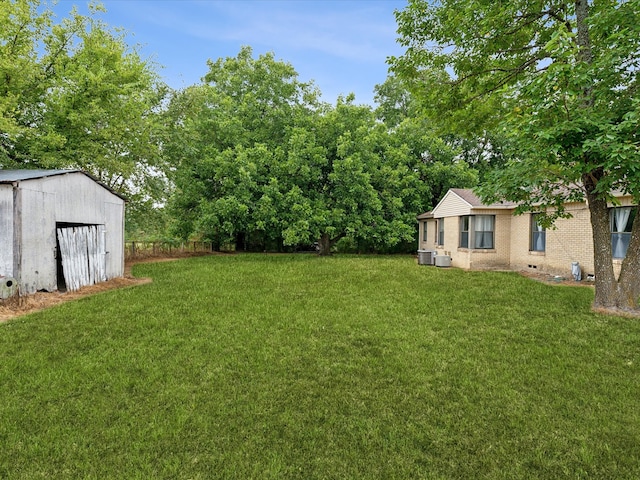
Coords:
426,257
443,261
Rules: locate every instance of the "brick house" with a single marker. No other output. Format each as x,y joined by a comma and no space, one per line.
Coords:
478,236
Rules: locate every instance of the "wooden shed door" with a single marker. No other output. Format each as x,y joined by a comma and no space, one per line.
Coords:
83,255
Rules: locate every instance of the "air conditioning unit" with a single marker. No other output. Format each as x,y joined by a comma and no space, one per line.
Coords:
426,257
443,261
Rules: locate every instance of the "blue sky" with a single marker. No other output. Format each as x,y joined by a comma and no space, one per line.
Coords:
340,44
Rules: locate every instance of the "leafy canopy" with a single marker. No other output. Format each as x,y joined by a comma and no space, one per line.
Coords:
73,94
560,80
518,68
259,157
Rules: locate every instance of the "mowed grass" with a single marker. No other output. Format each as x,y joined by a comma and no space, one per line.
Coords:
295,366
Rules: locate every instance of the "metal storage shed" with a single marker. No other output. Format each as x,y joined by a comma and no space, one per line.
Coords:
59,229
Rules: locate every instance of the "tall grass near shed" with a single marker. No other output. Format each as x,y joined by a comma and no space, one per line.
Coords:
296,366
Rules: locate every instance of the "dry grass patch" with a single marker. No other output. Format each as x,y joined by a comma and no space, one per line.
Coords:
16,306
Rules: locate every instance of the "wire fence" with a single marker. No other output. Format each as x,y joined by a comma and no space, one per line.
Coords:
137,249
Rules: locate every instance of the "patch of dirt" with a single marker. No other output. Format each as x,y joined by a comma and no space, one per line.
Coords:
16,306
555,279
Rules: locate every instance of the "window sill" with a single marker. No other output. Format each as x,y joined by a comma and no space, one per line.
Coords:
477,250
537,253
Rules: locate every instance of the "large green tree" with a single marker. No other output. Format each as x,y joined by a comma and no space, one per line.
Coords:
260,158
559,78
225,139
73,94
359,185
441,161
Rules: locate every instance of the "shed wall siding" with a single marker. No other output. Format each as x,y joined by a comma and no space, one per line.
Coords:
6,231
78,198
114,223
40,204
37,241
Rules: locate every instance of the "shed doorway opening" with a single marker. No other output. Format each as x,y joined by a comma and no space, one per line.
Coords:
82,255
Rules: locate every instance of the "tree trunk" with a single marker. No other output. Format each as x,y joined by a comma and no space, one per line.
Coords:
583,37
605,282
326,243
629,279
241,242
611,293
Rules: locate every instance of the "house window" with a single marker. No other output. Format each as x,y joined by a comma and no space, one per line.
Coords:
538,240
621,220
440,231
483,231
464,231
424,231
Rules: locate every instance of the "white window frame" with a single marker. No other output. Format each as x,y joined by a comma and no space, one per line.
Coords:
464,237
621,234
537,235
479,236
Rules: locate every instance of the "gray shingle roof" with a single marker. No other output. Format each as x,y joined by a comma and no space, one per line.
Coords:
472,199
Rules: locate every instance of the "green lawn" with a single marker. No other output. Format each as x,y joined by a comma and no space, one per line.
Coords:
296,366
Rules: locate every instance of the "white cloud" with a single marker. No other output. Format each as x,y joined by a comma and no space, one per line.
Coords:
340,44
356,31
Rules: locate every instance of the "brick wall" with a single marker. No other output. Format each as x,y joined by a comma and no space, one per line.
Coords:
470,258
570,241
